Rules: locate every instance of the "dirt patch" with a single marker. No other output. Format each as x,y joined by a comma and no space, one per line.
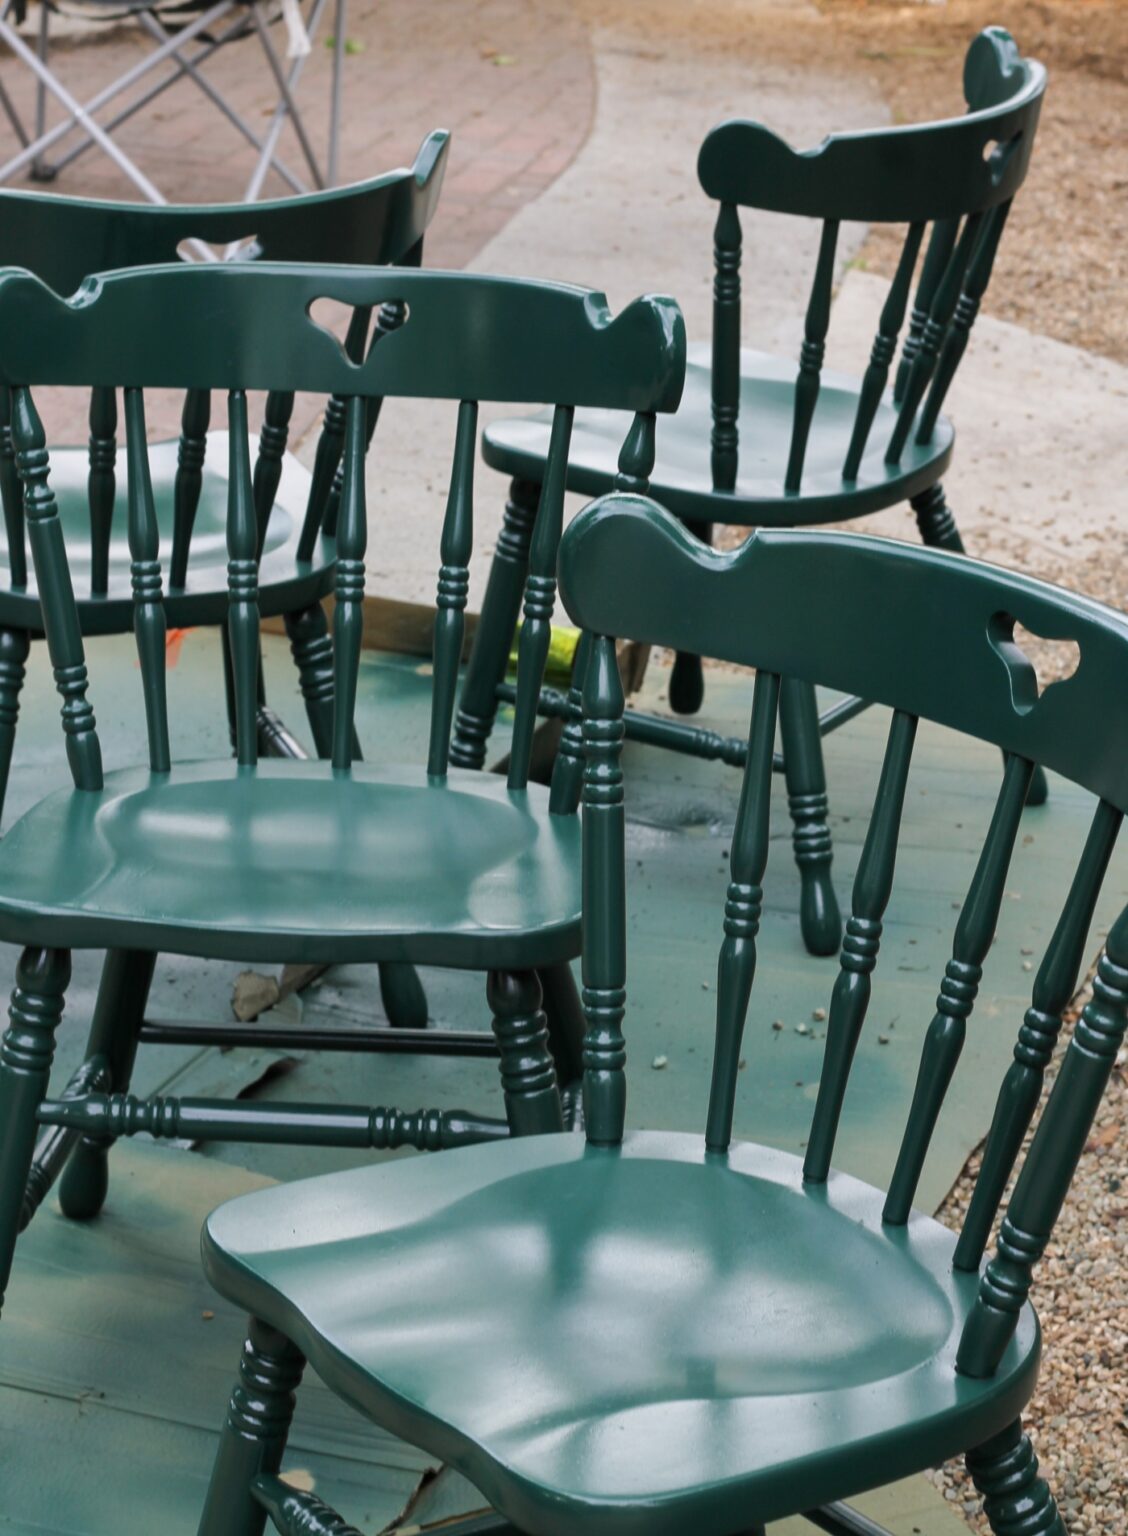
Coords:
1063,266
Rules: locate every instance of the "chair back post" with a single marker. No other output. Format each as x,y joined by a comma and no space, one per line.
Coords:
1054,985
149,624
101,485
242,582
725,378
932,337
1050,1163
604,966
11,495
195,418
736,966
52,574
884,347
975,933
454,585
273,437
963,318
849,1002
540,597
811,355
348,613
636,465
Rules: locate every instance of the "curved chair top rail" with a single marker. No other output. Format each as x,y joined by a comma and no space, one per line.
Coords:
63,239
248,326
926,632
904,174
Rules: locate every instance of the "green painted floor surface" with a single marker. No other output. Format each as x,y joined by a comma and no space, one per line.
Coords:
112,1380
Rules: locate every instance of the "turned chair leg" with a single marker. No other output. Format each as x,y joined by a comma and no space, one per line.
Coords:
254,1432
528,1077
312,650
493,638
26,1053
687,679
119,1013
803,769
1016,1501
566,1028
938,530
14,647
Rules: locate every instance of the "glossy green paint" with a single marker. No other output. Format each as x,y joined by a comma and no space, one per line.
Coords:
757,442
716,1375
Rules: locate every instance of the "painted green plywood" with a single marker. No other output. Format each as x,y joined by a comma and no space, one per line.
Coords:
101,1319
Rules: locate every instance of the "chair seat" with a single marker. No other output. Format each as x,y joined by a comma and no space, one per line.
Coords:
682,480
646,1341
284,584
291,861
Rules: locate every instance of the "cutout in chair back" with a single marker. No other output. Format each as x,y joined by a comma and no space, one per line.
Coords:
353,329
238,248
1034,662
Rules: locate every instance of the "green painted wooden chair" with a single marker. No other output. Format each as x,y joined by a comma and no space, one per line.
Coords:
287,860
756,443
61,240
654,1334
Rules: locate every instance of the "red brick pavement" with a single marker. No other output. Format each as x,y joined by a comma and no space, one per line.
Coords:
512,79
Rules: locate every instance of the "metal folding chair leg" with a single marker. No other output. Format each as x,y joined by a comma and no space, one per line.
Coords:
81,113
170,48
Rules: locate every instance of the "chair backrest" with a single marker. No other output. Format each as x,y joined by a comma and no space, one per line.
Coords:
959,176
64,239
241,327
946,652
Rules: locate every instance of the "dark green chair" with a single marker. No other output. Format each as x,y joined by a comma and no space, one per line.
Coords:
288,860
756,443
61,239
654,1334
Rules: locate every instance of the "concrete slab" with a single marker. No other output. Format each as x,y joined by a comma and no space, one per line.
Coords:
1040,463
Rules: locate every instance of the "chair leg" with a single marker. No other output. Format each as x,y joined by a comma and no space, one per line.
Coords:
938,530
119,1012
687,679
402,994
493,638
26,1053
806,798
528,1077
14,647
566,1023
312,650
935,521
254,1432
1016,1501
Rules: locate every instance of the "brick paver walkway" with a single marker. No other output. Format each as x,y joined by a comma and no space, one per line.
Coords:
512,79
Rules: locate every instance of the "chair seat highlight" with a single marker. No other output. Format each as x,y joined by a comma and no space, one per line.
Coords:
284,584
682,477
648,1339
294,859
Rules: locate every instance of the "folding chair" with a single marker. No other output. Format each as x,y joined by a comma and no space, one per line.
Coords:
185,34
